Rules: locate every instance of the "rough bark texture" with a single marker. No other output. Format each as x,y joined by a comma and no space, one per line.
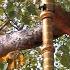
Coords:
30,38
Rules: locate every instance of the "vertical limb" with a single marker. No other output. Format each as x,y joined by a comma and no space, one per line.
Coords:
47,49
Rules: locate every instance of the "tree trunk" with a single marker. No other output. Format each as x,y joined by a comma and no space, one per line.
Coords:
30,38
47,49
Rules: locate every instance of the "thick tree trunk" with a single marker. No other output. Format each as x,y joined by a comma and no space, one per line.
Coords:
25,39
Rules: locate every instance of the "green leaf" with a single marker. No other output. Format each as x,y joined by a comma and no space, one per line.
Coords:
3,66
10,9
26,17
1,1
64,49
1,11
11,14
31,9
1,22
65,60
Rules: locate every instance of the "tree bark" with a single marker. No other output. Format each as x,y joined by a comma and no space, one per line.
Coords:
31,38
47,35
47,48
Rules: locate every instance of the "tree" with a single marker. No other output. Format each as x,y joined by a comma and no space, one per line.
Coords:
27,38
36,32
47,49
